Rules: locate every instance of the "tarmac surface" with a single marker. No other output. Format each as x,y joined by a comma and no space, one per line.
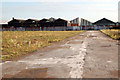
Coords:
90,54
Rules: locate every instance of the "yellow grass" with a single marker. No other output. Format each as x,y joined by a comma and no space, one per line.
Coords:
113,33
17,43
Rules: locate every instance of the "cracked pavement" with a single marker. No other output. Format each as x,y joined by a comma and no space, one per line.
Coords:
90,54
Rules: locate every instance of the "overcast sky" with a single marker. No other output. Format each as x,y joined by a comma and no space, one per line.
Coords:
91,10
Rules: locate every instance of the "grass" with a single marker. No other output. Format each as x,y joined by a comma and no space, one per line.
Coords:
113,33
17,43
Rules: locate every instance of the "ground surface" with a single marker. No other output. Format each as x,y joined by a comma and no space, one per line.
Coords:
90,54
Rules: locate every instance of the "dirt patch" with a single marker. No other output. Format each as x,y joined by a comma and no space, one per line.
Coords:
31,73
81,35
92,36
106,46
64,47
7,76
75,42
115,73
118,43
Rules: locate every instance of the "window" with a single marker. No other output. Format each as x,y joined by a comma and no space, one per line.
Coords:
33,21
47,21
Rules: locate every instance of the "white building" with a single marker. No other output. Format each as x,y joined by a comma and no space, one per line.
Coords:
82,23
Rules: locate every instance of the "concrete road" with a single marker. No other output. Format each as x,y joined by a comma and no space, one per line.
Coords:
90,54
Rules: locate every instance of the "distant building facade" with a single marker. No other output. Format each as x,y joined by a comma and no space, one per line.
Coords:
104,24
82,24
51,24
31,24
59,24
15,24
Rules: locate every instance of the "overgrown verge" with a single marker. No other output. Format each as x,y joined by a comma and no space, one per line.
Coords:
113,33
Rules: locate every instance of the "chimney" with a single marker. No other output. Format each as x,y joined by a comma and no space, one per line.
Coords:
13,18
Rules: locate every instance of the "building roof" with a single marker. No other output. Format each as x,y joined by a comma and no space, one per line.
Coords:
52,19
33,19
59,19
104,21
44,20
19,20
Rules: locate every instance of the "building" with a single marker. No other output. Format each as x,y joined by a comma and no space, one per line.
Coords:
73,26
50,24
118,25
104,24
31,25
15,24
59,24
44,24
4,27
53,24
83,24
22,25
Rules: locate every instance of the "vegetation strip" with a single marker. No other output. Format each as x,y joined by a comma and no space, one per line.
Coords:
17,43
113,33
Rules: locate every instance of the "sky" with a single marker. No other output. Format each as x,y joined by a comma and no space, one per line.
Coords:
91,10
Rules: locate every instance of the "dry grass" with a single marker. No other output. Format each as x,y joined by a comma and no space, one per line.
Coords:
17,43
113,33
